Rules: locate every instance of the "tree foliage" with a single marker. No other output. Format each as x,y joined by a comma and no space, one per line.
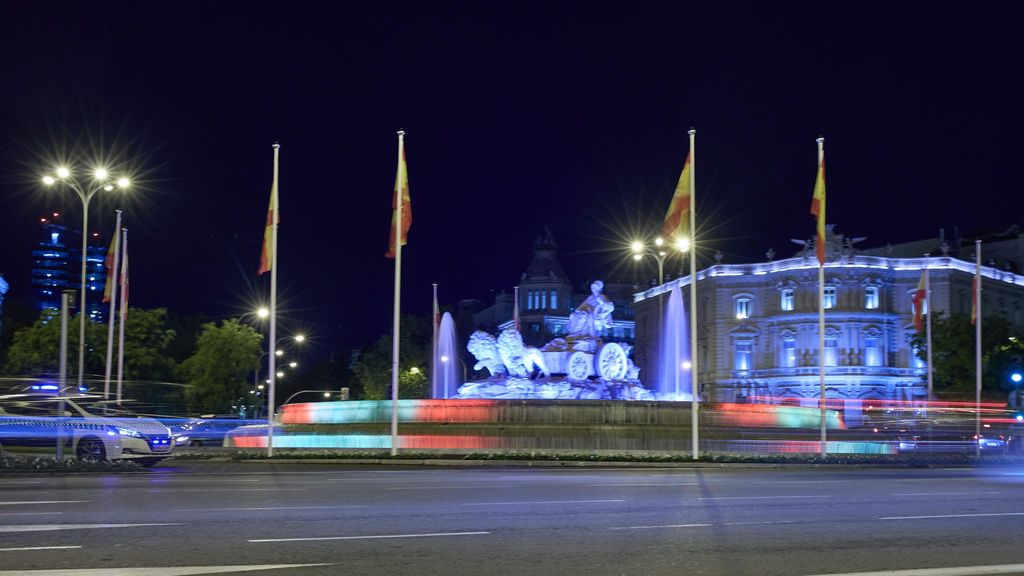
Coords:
953,355
372,366
217,374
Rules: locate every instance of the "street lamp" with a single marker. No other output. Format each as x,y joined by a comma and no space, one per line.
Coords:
660,252
101,181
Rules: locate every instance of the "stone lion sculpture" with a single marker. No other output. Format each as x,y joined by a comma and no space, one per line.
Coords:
520,360
485,348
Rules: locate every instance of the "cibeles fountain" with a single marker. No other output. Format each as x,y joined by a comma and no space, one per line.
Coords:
581,366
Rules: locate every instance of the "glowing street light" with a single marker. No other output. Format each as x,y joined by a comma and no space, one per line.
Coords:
299,338
85,194
262,312
293,364
658,251
414,370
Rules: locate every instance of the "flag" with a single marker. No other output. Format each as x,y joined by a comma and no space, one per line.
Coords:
677,220
974,300
273,219
818,209
918,303
401,187
108,287
124,277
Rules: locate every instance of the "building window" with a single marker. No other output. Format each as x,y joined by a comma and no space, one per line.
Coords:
742,308
543,299
789,353
917,360
787,299
871,297
830,297
872,353
744,355
529,299
831,352
554,300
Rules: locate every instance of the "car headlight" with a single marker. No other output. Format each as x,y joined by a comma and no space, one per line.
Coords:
181,440
127,432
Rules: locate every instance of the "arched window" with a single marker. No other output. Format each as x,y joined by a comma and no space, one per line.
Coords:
786,299
871,297
743,306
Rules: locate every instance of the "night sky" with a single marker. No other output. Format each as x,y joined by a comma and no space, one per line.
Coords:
518,115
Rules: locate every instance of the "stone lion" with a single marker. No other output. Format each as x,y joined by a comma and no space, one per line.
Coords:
485,348
520,360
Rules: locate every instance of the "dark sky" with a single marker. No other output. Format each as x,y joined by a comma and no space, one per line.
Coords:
518,115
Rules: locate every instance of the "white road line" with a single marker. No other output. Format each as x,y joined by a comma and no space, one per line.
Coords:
28,513
157,480
558,476
483,486
539,502
154,570
758,497
957,571
368,537
38,548
941,493
52,527
7,482
700,525
19,503
801,481
646,484
161,490
268,508
979,515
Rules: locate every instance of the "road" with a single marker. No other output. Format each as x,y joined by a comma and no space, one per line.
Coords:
252,518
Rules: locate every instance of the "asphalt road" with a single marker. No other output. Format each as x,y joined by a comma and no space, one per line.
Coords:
251,518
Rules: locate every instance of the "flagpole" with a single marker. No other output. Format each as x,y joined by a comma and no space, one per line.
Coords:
821,321
398,298
694,374
515,309
124,315
928,324
434,376
112,278
272,373
977,348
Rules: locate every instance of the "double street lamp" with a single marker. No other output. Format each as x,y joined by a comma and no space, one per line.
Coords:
101,180
660,252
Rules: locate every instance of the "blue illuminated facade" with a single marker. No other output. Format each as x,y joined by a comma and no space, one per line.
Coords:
4,287
56,266
757,324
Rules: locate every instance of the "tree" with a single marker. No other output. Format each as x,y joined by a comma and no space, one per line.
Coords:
217,374
953,356
372,367
35,349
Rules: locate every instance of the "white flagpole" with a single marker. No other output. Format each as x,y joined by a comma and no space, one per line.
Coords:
821,324
112,278
124,315
694,374
398,297
272,373
977,349
515,309
928,324
435,375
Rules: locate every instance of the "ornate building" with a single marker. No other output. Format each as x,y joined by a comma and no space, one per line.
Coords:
758,323
546,300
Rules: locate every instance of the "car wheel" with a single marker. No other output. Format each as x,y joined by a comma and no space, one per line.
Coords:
91,449
195,443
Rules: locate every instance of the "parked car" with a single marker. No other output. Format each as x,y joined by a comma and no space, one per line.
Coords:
207,429
86,426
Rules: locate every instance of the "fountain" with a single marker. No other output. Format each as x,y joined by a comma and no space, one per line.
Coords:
674,366
447,376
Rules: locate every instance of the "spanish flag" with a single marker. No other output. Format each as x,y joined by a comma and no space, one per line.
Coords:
974,300
918,302
273,219
677,220
108,288
818,209
401,187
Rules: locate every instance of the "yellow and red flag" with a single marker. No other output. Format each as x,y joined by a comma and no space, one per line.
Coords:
918,302
401,187
974,300
677,220
818,210
273,219
108,288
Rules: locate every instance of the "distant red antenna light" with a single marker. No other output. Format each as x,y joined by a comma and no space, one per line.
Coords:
56,214
43,220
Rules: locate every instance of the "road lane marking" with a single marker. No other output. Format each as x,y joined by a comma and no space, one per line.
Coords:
760,497
27,513
19,503
184,480
52,527
379,536
977,515
154,570
161,490
454,487
269,508
801,481
25,548
646,484
539,502
941,493
957,571
649,527
6,482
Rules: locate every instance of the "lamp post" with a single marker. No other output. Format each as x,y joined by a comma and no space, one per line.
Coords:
659,251
102,180
298,339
